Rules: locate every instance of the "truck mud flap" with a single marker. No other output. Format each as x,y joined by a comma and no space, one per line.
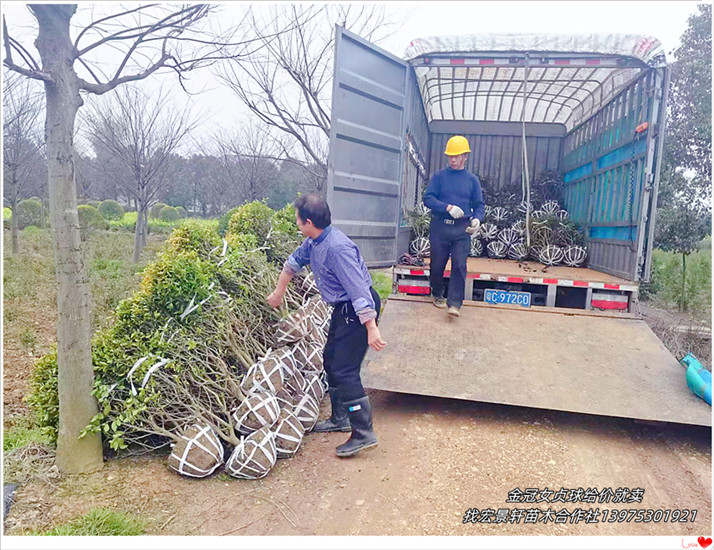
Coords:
586,362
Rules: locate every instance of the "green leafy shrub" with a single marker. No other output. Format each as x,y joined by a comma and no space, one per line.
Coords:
89,220
169,214
255,218
155,210
111,210
30,212
199,306
225,220
43,395
7,217
182,211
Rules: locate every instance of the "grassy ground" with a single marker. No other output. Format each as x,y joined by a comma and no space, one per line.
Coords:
99,522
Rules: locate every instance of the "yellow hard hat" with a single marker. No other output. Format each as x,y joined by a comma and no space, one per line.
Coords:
457,145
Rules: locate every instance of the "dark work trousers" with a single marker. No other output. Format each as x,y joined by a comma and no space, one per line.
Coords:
345,348
449,240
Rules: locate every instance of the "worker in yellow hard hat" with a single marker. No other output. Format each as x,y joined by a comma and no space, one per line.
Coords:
455,198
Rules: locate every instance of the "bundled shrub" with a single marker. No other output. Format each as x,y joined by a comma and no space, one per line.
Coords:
111,210
182,211
181,344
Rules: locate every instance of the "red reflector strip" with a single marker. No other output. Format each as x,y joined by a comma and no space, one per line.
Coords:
550,281
514,279
416,272
607,304
473,276
612,287
447,273
456,61
561,61
580,283
486,61
407,289
592,62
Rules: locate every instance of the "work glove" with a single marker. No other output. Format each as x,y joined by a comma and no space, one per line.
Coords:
456,212
473,226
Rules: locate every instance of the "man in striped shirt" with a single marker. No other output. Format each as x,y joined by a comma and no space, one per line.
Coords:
344,282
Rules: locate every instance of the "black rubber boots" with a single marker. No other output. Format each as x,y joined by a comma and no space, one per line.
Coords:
360,418
338,422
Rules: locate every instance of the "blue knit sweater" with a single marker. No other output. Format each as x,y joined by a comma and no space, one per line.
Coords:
457,187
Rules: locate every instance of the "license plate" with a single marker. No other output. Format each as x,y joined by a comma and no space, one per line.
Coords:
493,296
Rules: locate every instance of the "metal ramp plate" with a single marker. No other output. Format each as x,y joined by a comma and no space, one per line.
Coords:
537,357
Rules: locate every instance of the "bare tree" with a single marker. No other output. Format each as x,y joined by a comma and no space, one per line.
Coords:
23,158
287,82
247,157
141,133
147,39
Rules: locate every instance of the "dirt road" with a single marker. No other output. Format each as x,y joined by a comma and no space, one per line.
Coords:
436,459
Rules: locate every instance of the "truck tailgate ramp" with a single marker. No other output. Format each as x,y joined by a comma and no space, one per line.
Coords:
540,358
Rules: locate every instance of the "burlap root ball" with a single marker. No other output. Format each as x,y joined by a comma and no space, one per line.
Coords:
258,410
314,387
288,435
254,456
308,355
307,411
291,328
197,453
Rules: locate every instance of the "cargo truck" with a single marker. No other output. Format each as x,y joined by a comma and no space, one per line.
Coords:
592,108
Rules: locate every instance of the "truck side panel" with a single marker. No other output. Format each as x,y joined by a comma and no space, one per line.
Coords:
366,146
609,171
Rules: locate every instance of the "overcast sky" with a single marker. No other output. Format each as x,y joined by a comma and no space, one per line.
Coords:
665,20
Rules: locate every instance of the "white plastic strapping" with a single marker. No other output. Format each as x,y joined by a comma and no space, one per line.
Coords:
207,441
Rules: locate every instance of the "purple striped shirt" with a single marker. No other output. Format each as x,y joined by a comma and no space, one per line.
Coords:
340,272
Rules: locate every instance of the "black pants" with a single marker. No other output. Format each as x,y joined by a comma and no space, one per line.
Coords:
345,348
449,240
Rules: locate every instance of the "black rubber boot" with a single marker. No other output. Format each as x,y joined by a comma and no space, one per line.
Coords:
338,421
360,416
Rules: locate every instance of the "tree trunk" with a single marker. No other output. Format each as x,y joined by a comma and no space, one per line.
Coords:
139,229
77,406
682,301
15,231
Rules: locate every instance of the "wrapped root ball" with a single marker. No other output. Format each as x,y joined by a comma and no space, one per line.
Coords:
258,410
307,411
288,435
292,328
314,387
197,453
254,456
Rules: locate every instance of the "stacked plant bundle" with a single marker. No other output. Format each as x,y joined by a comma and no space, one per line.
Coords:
198,359
554,238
